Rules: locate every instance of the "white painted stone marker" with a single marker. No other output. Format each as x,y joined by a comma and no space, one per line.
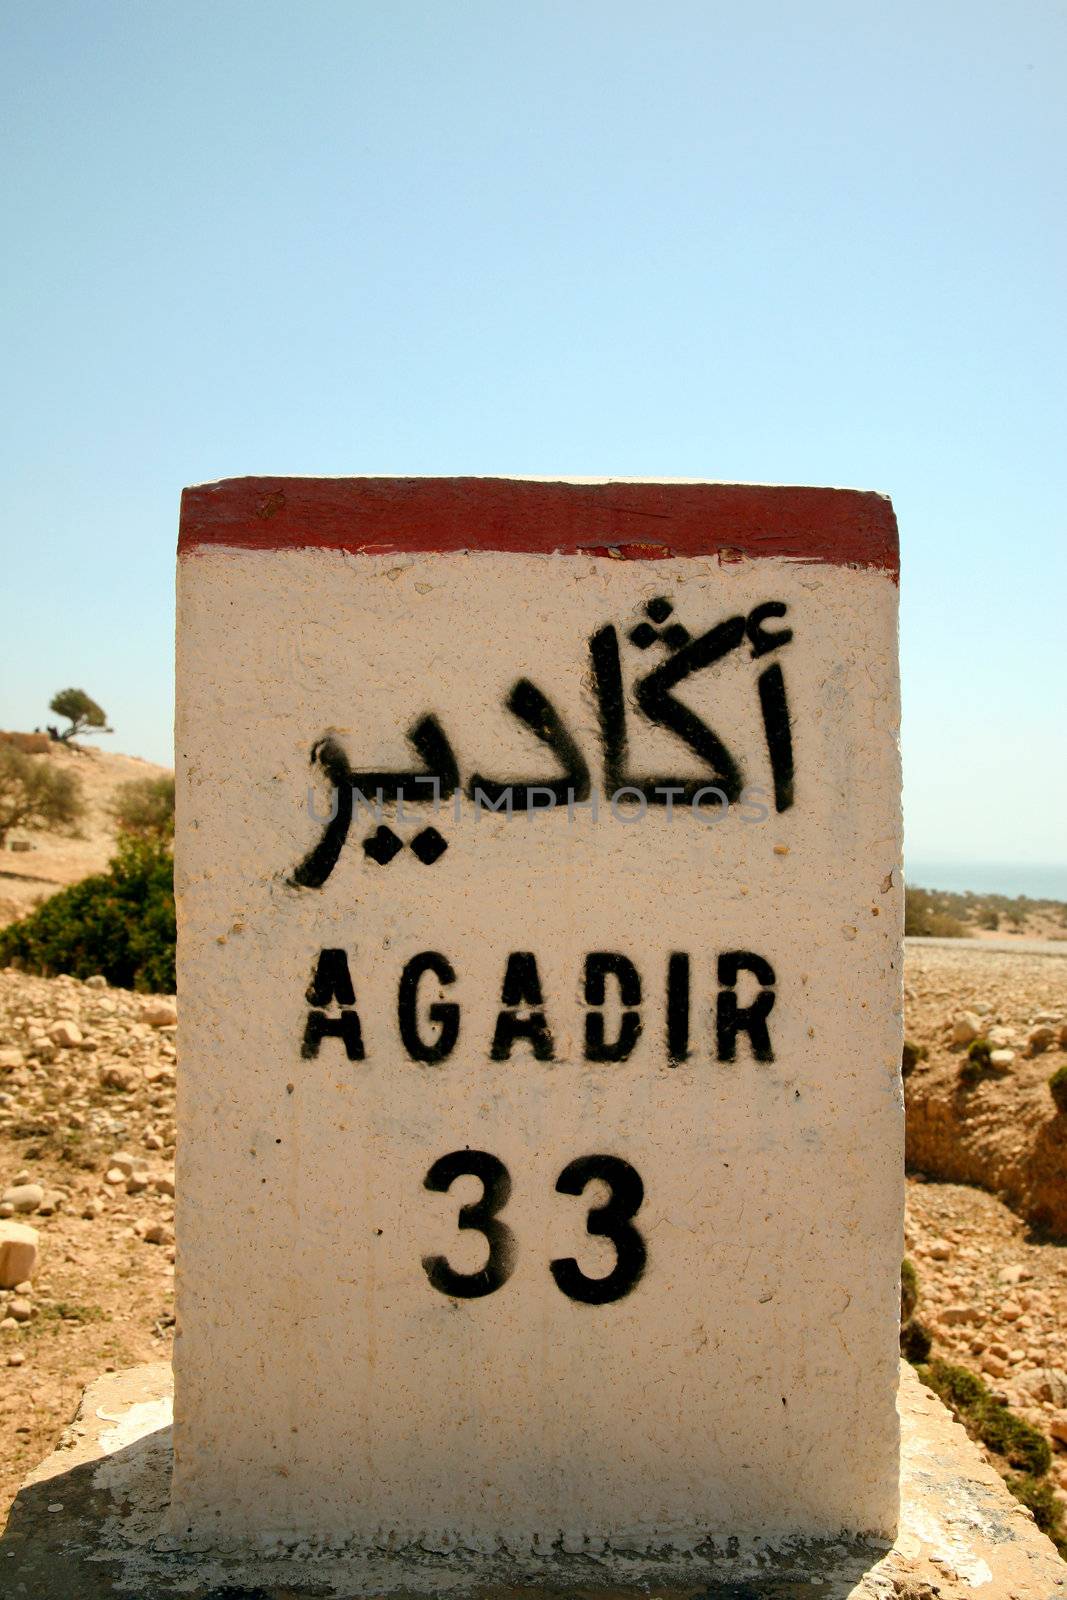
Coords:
539,1174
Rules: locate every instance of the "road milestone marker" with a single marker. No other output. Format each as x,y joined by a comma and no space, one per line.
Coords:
540,1118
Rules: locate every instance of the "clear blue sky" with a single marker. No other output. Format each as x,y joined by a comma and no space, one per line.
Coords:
818,243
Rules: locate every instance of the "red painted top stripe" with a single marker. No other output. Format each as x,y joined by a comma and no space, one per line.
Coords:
634,521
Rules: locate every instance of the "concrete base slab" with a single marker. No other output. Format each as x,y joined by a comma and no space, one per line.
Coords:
91,1522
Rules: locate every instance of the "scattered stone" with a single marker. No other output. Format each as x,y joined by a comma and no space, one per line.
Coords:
123,1161
20,1309
1001,1059
115,1177
159,1013
137,1181
10,1059
16,1359
939,1250
158,1233
67,1035
97,981
113,1076
18,1253
1040,1039
1057,1427
1017,1273
966,1028
25,1197
953,1315
1047,1383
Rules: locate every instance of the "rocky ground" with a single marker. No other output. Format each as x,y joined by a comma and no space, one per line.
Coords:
87,1151
990,1121
993,1279
995,1300
87,1162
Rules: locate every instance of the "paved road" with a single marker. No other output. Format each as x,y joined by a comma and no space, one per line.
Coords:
1000,947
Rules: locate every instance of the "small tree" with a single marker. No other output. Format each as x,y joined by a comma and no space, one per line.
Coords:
144,808
35,795
82,712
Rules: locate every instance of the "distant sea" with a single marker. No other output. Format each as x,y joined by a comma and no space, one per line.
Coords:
1039,880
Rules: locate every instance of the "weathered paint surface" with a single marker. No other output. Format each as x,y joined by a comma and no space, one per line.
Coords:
633,520
351,1362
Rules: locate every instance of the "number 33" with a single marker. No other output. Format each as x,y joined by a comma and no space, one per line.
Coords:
613,1220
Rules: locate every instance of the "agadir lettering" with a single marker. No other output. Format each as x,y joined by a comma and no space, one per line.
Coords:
430,1021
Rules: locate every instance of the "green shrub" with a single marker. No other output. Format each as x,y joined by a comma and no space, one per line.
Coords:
119,923
1017,1440
961,1390
915,1341
989,1419
1038,1494
977,1061
909,1290
912,1055
1057,1088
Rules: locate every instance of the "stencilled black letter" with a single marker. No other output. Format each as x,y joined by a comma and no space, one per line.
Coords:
677,1008
319,1026
599,966
732,1019
331,982
521,987
444,1013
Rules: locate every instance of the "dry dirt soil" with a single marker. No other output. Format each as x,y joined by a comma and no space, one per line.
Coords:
78,1120
53,861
